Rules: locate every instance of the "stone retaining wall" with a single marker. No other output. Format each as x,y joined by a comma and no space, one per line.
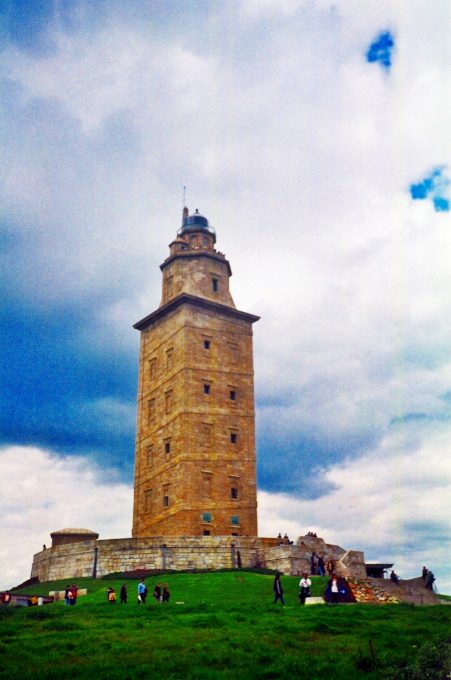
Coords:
95,558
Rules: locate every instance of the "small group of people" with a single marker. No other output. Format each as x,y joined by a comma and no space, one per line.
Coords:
284,540
70,594
337,589
160,592
428,578
318,565
313,534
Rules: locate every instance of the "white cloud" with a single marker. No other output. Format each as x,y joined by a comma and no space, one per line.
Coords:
42,492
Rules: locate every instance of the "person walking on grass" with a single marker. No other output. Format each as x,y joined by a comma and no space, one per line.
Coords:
123,594
157,592
141,592
304,587
278,590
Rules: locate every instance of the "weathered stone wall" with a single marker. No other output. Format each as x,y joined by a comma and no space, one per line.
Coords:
127,554
97,558
194,445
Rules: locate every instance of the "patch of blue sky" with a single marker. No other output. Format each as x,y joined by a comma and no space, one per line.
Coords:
380,50
52,382
434,187
25,23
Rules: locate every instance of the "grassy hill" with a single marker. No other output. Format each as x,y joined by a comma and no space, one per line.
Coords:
221,625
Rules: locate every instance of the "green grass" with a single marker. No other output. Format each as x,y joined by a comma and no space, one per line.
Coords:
226,628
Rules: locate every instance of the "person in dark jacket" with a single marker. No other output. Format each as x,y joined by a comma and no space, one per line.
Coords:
166,594
157,592
278,590
430,578
123,594
313,564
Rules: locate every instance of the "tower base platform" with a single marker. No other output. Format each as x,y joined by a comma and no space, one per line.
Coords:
96,558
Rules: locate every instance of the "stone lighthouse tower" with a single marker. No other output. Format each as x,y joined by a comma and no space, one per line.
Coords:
195,446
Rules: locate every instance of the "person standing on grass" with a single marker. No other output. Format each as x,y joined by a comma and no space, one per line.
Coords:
278,590
73,592
320,565
141,592
334,590
166,594
123,594
111,596
157,592
304,587
66,595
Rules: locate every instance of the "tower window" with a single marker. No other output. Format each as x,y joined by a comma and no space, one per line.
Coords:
206,429
149,455
167,446
166,496
234,493
148,500
233,437
169,358
215,285
168,401
206,517
235,520
206,485
206,388
151,409
152,368
232,395
206,344
206,532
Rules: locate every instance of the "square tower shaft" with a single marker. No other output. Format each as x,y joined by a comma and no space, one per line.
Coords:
195,465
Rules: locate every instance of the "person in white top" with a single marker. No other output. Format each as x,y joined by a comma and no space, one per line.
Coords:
334,589
304,587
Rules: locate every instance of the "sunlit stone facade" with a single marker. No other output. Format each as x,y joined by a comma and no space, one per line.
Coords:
195,448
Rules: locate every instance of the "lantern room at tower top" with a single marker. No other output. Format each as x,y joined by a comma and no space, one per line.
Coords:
191,223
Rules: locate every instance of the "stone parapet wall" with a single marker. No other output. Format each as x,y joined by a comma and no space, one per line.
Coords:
96,558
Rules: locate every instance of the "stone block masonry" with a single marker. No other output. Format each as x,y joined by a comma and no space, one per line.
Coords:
195,471
100,557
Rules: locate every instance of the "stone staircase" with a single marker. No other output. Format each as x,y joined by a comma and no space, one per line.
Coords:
384,591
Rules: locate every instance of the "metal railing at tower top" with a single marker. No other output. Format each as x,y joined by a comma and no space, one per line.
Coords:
190,227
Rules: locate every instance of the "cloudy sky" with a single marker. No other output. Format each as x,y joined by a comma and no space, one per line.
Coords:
315,136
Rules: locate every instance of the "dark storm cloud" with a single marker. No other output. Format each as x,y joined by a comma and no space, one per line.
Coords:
59,392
